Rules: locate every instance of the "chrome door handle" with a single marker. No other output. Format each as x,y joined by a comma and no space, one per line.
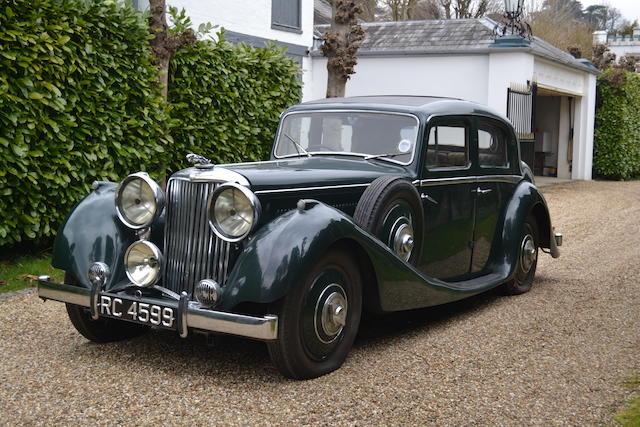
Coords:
481,191
425,196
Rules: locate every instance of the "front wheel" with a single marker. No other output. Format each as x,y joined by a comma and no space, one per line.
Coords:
318,320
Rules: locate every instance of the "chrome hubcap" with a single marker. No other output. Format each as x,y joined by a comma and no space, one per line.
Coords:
403,240
334,314
528,253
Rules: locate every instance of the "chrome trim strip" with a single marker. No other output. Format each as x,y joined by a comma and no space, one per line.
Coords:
64,293
444,181
510,179
183,306
323,187
217,174
431,182
261,328
347,110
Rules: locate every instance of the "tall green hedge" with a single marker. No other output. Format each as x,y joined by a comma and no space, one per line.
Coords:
78,103
617,135
226,100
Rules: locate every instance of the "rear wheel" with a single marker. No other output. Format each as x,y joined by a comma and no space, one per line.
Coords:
318,320
527,259
103,329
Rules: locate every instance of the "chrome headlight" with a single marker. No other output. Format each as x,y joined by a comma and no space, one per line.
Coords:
233,212
143,263
139,200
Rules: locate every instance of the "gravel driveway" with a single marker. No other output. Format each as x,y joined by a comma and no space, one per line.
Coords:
554,356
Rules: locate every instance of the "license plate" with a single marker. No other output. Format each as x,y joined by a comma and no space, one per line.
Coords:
137,311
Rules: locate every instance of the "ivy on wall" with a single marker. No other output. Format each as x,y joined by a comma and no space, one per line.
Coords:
617,134
78,103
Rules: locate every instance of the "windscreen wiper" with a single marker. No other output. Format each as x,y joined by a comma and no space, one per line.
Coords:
297,146
376,156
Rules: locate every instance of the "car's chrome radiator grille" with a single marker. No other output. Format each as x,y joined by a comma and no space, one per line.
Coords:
192,251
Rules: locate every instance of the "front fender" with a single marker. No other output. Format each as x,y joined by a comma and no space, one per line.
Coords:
92,232
281,253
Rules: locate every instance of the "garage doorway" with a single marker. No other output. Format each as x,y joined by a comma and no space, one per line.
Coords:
553,133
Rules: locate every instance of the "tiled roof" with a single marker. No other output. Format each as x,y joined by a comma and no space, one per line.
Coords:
453,36
321,12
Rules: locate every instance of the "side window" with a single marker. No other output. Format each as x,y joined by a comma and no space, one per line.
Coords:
285,15
492,145
448,145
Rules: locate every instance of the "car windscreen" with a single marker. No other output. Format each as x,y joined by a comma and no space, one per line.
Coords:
348,132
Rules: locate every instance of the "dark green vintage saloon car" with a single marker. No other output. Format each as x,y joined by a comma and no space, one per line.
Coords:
369,203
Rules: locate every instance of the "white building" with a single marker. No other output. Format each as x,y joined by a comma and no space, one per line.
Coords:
289,23
620,45
547,94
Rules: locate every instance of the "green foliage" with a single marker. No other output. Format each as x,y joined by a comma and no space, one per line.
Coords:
79,102
18,273
226,100
617,135
630,415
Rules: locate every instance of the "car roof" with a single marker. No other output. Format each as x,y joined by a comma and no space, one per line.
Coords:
423,106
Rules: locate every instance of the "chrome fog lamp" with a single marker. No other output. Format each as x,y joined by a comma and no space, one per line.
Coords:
98,274
233,212
139,200
207,292
143,263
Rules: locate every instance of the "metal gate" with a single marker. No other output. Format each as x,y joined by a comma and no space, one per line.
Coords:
521,110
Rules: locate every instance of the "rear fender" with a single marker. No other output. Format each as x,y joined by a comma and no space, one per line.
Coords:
526,200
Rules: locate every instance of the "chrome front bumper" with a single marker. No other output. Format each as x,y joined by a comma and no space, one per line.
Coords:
191,314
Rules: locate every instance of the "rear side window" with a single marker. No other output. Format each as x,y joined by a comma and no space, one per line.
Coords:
448,145
492,145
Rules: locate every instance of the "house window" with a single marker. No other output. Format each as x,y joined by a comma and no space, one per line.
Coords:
285,15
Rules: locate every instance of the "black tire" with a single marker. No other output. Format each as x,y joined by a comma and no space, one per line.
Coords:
101,330
304,349
525,269
378,201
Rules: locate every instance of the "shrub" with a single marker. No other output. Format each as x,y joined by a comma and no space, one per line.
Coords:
617,135
226,100
78,102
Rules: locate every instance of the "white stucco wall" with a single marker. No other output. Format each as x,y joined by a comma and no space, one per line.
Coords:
564,171
559,78
624,49
252,17
506,68
583,136
462,77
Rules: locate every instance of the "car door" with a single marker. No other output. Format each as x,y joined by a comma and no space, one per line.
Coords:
494,157
445,189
